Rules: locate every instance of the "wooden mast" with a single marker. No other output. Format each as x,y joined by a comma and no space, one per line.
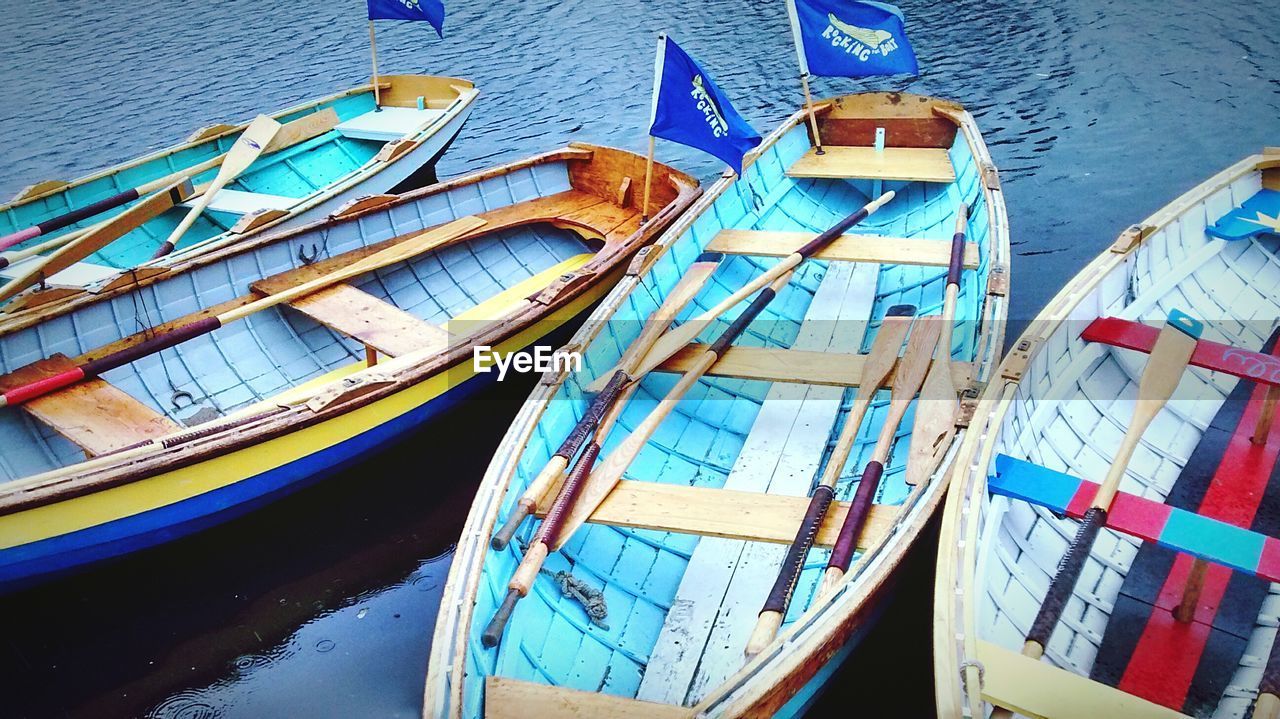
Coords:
658,58
804,75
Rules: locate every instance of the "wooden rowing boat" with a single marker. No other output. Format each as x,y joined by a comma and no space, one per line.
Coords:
335,338
328,152
1171,609
646,609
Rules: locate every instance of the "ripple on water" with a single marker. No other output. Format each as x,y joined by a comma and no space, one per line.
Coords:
189,704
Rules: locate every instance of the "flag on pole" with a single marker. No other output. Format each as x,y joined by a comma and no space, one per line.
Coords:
689,108
850,38
430,10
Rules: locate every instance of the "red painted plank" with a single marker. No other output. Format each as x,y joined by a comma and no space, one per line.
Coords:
1164,662
1256,366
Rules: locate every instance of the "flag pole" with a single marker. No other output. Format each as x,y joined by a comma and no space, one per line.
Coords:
653,115
373,46
804,75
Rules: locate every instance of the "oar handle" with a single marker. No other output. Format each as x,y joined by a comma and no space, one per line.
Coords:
775,605
829,235
1063,583
95,367
492,633
529,501
957,246
69,218
847,541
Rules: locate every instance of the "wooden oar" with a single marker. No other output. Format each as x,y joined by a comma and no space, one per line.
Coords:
876,369
290,134
676,339
102,235
615,396
247,148
936,412
906,382
428,240
1165,366
567,513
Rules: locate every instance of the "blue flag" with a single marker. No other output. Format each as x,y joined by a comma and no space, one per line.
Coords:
430,10
850,38
689,108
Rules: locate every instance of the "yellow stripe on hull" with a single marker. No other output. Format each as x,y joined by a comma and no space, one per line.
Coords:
184,483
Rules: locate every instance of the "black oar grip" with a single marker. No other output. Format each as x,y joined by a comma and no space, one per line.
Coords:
503,536
780,596
95,367
595,411
493,632
1064,582
740,322
847,541
957,259
830,235
87,211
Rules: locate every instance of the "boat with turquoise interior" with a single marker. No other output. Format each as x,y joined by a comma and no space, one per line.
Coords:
248,371
327,152
647,607
1173,607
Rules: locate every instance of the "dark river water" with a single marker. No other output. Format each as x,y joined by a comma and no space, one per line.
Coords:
1097,113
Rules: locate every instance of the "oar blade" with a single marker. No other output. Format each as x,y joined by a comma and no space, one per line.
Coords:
934,424
247,148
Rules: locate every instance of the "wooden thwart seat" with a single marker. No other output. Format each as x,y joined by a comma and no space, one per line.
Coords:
846,248
378,324
912,164
728,513
1036,688
838,369
97,416
506,698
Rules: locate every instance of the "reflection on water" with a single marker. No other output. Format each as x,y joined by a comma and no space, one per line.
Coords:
1096,112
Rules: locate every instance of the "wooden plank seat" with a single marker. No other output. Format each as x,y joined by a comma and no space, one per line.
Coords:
378,324
846,248
727,513
1032,687
911,164
838,369
97,416
506,698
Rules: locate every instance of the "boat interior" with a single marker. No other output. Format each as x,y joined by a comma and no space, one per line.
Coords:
333,138
1210,257
546,225
686,546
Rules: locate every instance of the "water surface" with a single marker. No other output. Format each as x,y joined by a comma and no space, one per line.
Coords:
1097,114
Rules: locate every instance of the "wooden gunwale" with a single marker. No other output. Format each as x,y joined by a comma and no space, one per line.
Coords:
955,622
772,677
396,374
